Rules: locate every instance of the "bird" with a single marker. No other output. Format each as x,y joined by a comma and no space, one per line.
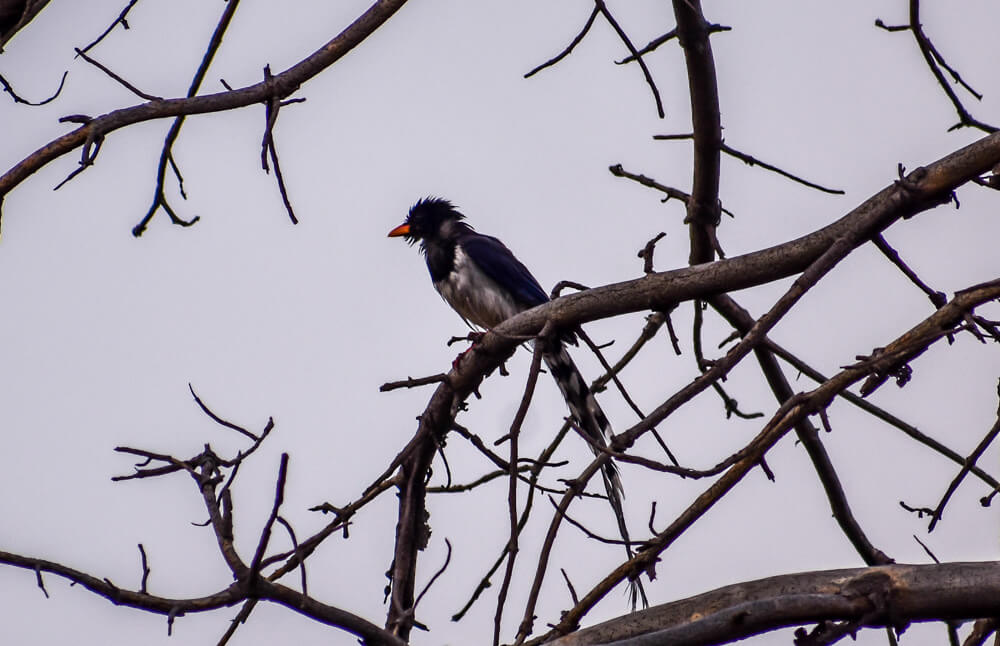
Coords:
482,280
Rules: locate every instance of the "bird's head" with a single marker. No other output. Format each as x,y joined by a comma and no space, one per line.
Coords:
431,219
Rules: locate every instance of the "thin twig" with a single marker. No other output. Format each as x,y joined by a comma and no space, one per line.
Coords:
9,89
966,467
145,569
730,405
569,48
646,253
237,621
265,534
219,420
542,459
937,298
589,534
665,38
612,373
269,149
935,61
634,52
515,429
128,86
750,160
295,548
166,153
121,19
444,566
669,191
753,161
880,413
650,46
40,582
411,382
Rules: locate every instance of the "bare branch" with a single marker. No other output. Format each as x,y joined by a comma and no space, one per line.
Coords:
981,631
119,596
653,324
665,38
40,582
935,61
917,593
411,382
237,621
937,298
128,86
783,420
881,414
265,534
808,435
515,430
233,594
646,253
669,191
219,420
120,20
543,458
9,89
166,153
603,8
753,161
922,189
569,48
441,570
966,467
145,570
268,147
704,207
281,86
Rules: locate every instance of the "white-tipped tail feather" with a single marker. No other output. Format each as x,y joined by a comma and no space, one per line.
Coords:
589,416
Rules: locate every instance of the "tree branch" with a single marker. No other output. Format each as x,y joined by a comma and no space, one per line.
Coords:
911,593
915,341
280,87
706,122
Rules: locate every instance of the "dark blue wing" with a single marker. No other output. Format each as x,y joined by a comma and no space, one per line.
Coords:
499,263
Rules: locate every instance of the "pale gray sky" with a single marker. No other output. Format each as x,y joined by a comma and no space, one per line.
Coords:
103,332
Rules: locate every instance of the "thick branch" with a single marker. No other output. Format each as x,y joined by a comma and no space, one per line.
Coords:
411,526
923,189
703,207
917,593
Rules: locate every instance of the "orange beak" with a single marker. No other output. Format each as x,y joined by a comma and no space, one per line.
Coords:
399,231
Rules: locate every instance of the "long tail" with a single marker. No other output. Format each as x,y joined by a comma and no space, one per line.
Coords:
592,420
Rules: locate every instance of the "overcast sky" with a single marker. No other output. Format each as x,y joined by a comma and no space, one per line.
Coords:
103,332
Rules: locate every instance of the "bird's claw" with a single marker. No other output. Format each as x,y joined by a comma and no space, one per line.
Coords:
473,338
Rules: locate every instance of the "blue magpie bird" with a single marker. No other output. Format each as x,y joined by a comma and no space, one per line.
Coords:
482,280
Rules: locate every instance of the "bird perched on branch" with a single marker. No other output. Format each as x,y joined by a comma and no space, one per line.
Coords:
482,280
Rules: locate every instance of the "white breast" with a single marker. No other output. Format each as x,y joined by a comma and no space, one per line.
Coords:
475,296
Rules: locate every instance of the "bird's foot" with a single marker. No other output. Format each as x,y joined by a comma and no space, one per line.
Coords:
473,338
